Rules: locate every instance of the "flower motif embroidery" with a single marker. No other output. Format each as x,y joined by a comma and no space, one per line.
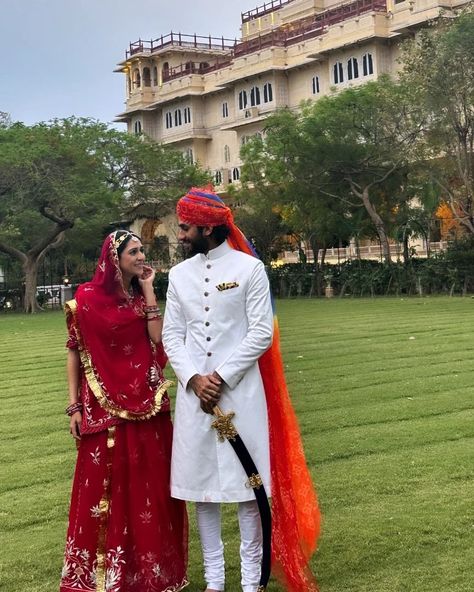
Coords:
128,350
96,456
95,512
146,517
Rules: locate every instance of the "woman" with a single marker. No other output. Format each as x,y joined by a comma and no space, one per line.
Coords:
125,532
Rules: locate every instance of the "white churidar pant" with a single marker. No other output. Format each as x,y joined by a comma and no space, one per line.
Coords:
209,525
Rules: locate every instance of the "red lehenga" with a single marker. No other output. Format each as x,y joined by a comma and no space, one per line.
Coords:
126,533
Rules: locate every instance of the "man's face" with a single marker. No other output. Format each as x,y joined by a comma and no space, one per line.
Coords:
193,239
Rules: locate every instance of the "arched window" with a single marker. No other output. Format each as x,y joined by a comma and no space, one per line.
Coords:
352,69
315,85
137,128
218,177
146,77
338,73
367,64
226,153
235,174
155,76
267,92
187,115
242,99
137,79
129,84
169,119
188,66
177,117
254,96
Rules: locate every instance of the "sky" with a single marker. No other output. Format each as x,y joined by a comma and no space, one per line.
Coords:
59,55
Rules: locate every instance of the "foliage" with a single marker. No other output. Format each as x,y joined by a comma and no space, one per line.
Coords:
344,152
439,65
81,174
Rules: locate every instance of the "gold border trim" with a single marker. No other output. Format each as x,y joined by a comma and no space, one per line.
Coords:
98,388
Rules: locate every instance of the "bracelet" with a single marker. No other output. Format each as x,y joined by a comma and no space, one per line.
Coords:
73,408
155,318
152,308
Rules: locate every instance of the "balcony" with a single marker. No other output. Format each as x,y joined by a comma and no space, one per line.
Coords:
194,68
264,9
181,41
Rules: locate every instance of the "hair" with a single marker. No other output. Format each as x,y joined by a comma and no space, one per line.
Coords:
219,233
122,245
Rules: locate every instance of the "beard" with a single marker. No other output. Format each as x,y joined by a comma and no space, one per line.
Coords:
194,246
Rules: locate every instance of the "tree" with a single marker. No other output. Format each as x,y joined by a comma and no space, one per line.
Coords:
439,65
54,175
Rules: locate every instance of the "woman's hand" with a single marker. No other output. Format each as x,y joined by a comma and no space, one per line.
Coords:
147,277
75,425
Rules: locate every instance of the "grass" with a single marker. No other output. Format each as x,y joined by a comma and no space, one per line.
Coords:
383,390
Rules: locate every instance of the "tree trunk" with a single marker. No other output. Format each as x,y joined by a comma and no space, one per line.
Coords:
30,268
379,225
316,279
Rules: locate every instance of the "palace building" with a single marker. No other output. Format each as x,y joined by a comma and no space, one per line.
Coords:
206,96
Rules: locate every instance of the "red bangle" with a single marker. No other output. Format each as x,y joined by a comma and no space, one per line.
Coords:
73,408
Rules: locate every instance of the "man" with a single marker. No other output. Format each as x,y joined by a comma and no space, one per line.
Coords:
218,322
218,330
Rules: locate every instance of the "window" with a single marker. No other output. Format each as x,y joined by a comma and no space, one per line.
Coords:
315,85
367,64
203,66
225,110
129,84
137,79
338,73
137,128
254,96
169,119
188,154
352,69
245,139
187,114
242,99
218,177
146,77
177,117
165,71
226,154
155,76
267,92
235,174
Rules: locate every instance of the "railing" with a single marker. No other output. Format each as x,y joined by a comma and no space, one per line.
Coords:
193,68
309,27
289,34
264,9
180,40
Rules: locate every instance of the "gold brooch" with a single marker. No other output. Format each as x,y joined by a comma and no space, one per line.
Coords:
227,286
254,482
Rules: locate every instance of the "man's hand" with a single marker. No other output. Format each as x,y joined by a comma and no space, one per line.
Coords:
207,388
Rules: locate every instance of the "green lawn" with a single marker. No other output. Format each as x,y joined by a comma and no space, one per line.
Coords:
383,389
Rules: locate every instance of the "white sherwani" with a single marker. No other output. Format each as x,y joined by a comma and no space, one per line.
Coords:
218,318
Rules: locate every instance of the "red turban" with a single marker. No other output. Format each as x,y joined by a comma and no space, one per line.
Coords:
202,207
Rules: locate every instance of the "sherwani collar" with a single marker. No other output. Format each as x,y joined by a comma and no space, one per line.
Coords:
218,252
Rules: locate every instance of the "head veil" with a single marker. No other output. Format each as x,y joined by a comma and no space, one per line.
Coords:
295,511
119,360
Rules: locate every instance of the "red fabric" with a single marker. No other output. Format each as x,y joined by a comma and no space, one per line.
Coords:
146,540
111,330
295,512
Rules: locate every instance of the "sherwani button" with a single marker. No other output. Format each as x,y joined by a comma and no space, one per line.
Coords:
207,323
208,339
206,293
206,308
209,354
206,279
208,266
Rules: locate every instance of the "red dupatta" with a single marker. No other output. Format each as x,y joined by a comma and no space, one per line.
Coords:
121,365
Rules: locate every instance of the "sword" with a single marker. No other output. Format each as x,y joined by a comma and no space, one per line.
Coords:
226,431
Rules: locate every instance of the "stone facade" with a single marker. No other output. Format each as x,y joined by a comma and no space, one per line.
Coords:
206,96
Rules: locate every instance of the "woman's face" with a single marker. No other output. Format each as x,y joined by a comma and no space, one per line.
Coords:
132,258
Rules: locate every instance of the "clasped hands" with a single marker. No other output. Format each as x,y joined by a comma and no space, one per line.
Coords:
208,389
